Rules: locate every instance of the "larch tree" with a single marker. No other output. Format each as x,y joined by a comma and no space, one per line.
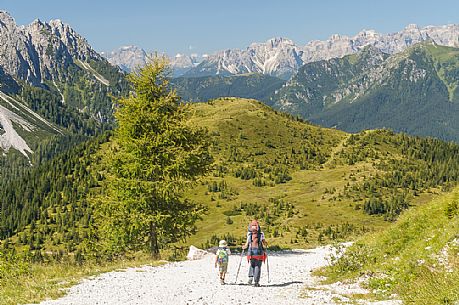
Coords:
153,157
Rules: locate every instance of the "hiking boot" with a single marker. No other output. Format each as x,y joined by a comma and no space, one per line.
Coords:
222,281
256,285
250,280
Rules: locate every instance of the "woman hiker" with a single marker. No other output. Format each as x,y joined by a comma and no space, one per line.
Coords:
256,255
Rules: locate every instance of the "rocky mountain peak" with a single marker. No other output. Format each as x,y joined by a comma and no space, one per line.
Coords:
37,23
35,52
412,26
183,60
335,37
368,34
279,42
6,20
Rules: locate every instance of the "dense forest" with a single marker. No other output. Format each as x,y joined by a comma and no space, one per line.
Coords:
43,199
47,204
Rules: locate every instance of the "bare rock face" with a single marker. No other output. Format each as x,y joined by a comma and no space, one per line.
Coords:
56,59
36,52
182,63
277,56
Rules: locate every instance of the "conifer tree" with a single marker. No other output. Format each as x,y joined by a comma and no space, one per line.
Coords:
154,156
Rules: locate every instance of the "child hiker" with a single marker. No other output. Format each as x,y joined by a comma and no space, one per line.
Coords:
222,258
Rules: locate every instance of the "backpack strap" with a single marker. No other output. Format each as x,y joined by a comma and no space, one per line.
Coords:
260,244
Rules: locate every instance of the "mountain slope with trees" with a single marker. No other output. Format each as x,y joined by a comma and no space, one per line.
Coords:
308,184
414,92
50,73
253,85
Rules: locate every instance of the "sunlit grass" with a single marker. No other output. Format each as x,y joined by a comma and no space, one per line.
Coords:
50,281
416,258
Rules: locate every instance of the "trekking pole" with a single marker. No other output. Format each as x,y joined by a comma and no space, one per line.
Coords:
238,268
267,263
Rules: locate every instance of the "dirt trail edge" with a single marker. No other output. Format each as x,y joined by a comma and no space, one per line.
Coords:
196,282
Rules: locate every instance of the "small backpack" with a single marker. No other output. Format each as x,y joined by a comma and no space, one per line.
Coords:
222,255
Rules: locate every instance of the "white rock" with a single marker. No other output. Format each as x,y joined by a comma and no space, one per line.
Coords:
195,253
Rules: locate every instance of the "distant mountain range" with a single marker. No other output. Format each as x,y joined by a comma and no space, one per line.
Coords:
281,57
130,57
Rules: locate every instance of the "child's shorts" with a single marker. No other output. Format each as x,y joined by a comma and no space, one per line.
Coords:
223,267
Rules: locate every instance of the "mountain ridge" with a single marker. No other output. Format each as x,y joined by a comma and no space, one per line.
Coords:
130,57
281,57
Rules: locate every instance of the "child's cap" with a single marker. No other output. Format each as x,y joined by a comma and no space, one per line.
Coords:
222,243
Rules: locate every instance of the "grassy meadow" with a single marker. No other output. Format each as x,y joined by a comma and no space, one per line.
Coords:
316,206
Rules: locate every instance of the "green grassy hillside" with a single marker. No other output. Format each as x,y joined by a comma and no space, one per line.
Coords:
309,185
416,258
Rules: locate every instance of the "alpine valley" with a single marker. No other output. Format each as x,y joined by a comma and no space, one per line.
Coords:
334,141
406,81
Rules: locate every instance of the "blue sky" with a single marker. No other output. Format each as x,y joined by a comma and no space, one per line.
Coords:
206,26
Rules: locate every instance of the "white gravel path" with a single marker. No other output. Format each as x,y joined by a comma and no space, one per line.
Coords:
196,282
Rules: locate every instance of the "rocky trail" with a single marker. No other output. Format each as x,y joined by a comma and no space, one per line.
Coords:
196,282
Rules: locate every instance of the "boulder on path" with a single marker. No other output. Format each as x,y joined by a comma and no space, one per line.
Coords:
196,253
